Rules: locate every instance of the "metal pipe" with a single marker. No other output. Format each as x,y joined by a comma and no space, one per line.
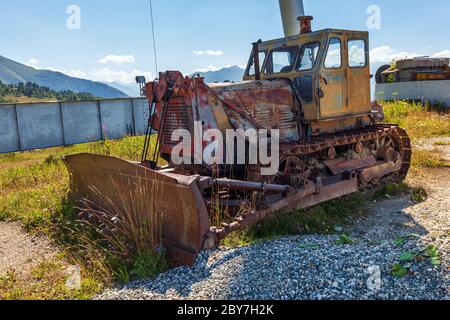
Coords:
290,11
248,186
305,24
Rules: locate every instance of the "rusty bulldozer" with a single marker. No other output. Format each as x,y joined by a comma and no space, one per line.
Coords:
313,87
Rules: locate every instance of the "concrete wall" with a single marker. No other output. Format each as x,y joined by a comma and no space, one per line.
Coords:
431,91
41,125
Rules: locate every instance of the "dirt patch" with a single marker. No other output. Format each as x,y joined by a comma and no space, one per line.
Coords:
20,251
440,145
392,217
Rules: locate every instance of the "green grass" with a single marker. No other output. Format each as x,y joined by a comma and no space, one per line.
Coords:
400,241
399,271
324,218
46,281
417,194
442,143
344,240
321,219
34,188
33,185
406,260
429,159
419,121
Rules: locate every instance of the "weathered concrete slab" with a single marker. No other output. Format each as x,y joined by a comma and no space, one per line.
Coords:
9,134
81,122
431,91
117,118
40,125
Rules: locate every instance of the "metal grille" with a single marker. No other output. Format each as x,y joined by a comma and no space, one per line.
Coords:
177,117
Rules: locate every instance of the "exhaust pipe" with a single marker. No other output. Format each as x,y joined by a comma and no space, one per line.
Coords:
305,24
290,11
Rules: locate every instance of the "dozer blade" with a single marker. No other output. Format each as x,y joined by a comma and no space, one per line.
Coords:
175,199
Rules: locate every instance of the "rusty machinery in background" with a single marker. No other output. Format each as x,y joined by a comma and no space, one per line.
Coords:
415,69
313,86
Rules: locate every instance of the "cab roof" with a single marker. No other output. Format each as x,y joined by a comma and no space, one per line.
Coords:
313,34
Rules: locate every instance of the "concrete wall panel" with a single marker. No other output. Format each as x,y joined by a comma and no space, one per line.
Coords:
431,91
117,118
141,111
81,122
9,135
40,125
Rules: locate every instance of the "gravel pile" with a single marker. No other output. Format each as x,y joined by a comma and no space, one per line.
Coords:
316,267
304,267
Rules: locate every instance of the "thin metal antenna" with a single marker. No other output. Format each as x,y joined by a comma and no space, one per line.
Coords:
154,39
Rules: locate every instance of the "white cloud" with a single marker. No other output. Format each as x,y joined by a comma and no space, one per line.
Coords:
53,69
442,54
71,73
387,54
33,62
111,58
333,59
105,75
76,73
215,68
208,52
356,56
208,69
123,77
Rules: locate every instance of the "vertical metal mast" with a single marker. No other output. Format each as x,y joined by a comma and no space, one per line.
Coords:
290,11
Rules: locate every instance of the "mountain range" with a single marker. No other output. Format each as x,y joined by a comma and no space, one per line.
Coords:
12,72
232,74
236,73
131,89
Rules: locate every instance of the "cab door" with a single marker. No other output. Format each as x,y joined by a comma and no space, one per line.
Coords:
358,75
332,81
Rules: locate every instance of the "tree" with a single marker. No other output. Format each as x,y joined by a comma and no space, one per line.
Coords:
33,90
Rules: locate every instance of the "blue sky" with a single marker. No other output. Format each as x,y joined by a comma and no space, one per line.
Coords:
197,34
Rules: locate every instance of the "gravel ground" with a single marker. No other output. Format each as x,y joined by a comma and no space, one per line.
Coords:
310,267
21,251
316,267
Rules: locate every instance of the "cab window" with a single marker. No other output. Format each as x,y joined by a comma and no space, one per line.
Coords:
308,56
251,67
281,60
357,57
334,54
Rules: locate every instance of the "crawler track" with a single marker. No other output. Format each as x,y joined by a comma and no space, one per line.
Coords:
354,175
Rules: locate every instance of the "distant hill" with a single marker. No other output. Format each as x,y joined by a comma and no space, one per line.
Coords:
131,90
12,72
233,74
